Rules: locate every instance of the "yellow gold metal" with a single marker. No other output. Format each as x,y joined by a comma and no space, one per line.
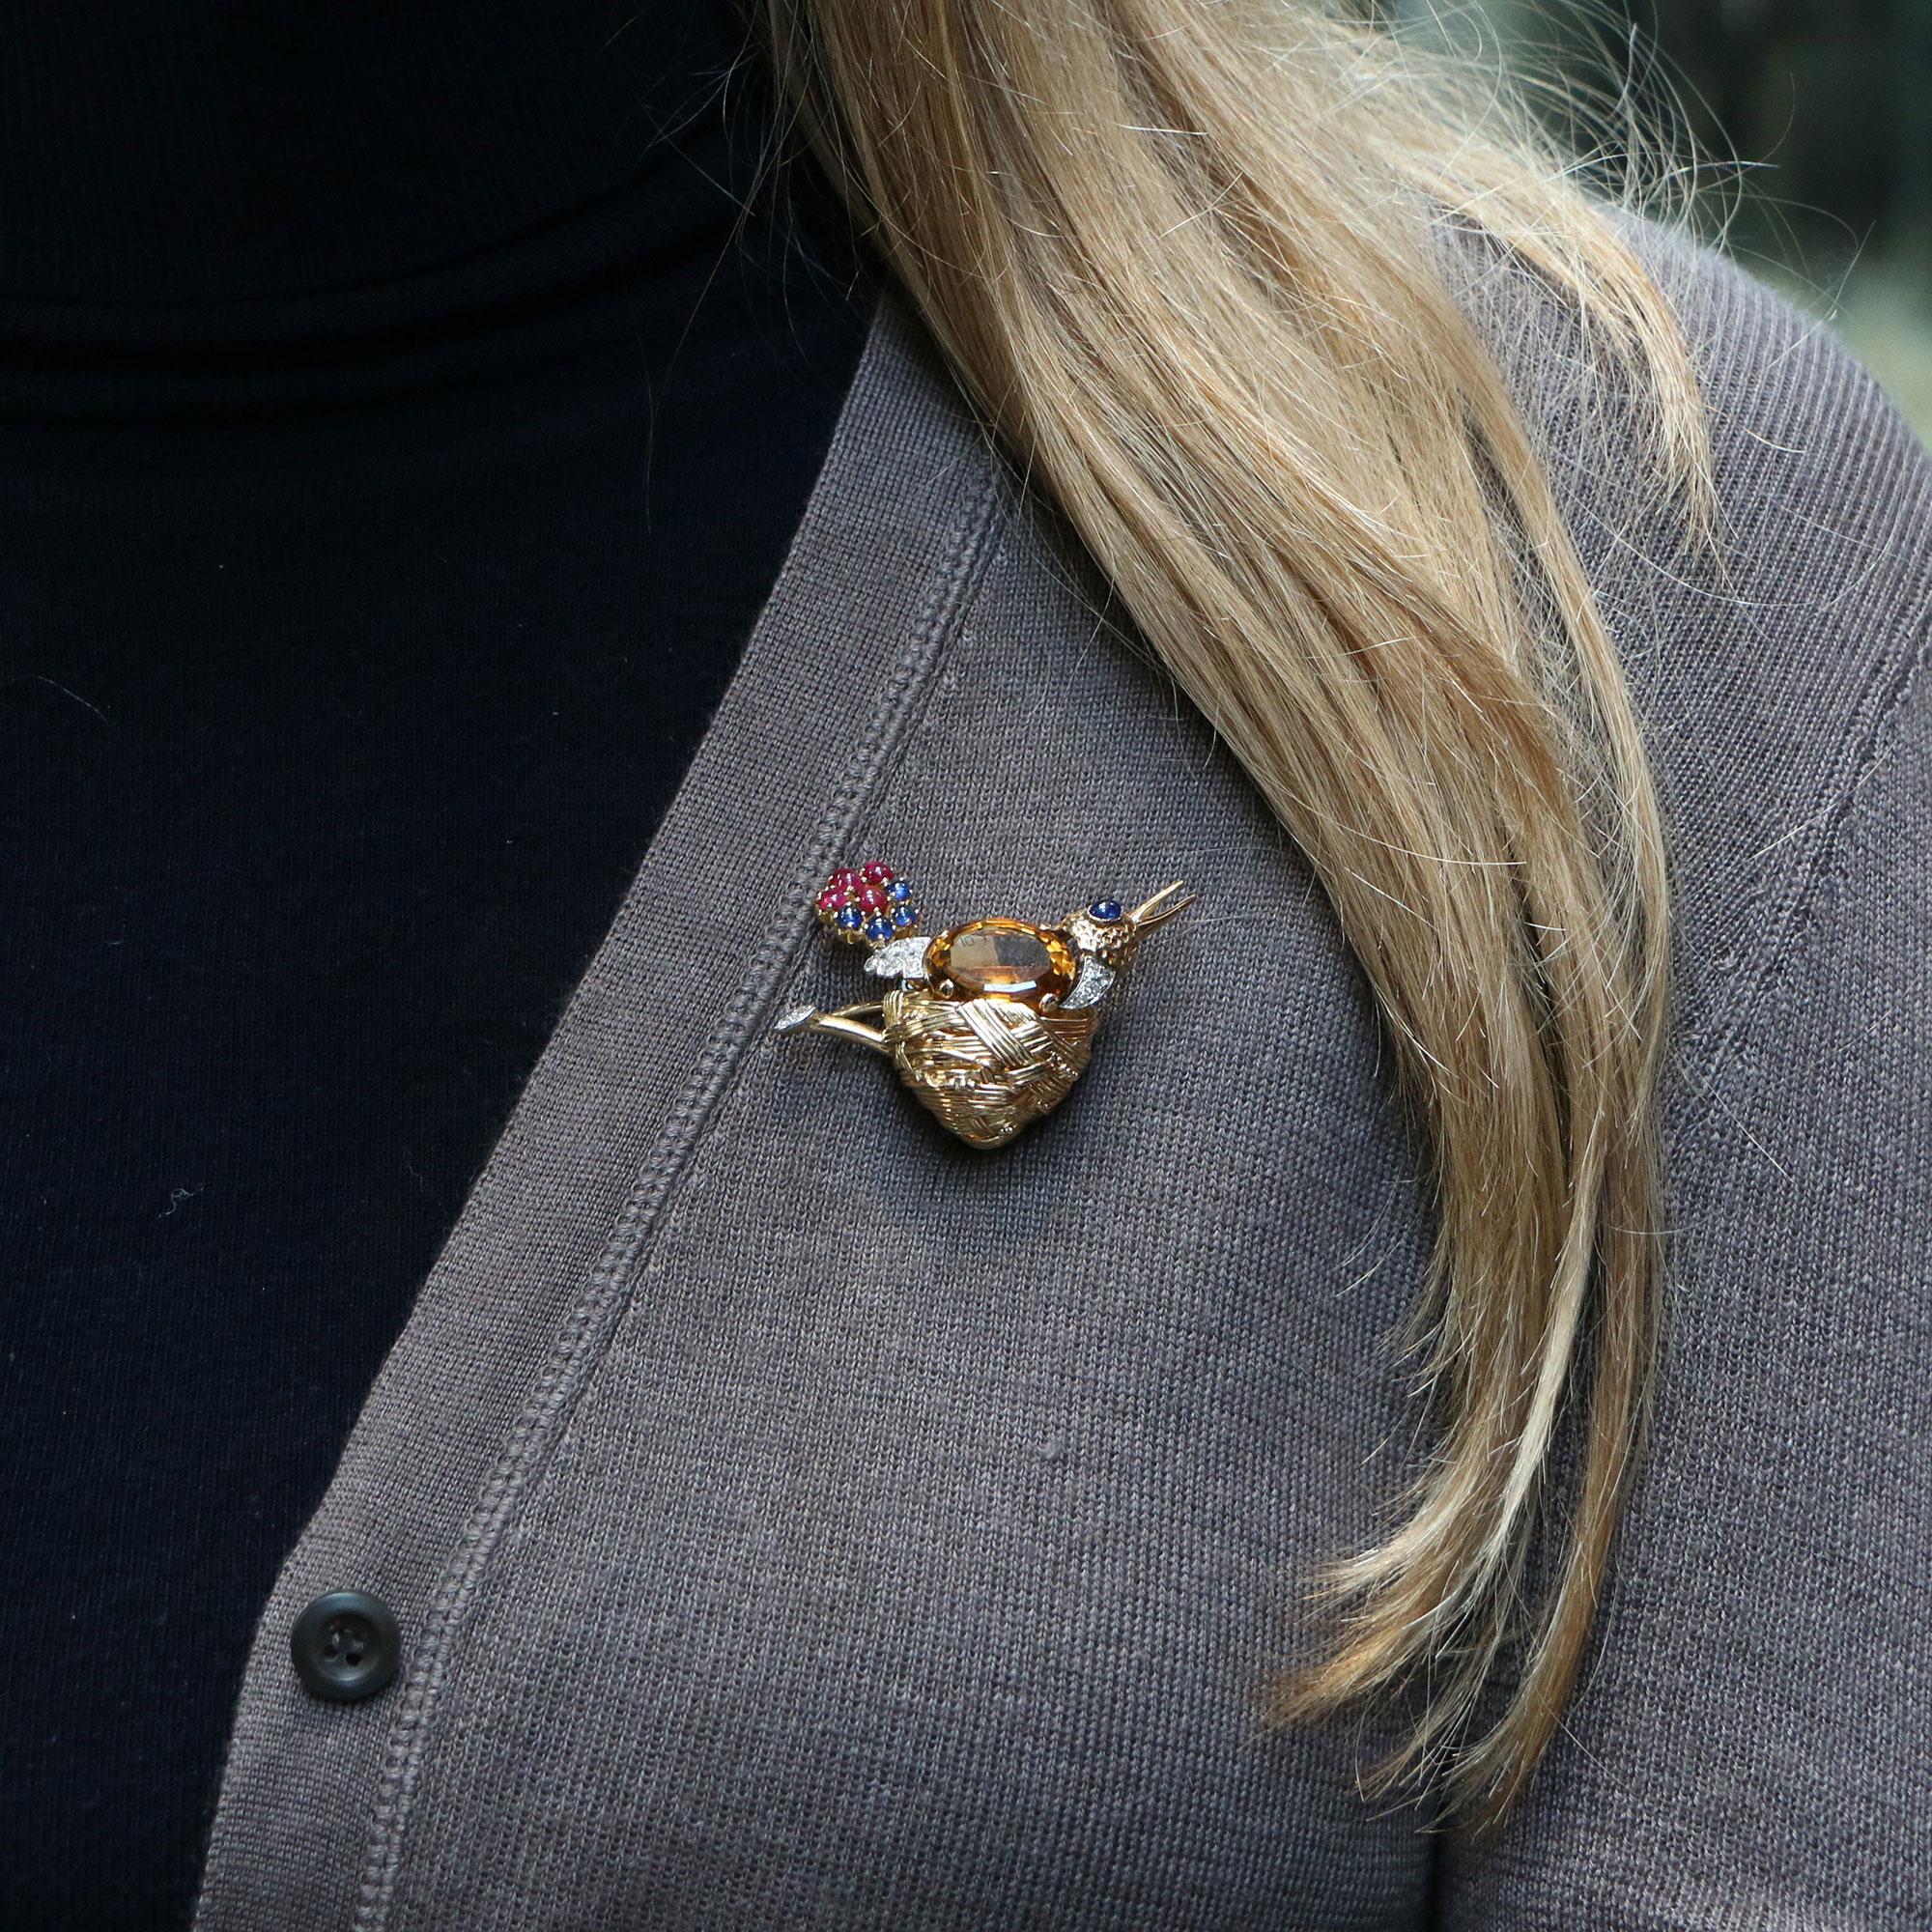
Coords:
993,1021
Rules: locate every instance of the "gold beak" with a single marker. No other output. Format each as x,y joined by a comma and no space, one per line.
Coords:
1162,906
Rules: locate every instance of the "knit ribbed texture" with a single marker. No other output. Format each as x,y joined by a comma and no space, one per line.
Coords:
799,1519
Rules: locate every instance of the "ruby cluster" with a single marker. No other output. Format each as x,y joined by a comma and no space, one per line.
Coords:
865,905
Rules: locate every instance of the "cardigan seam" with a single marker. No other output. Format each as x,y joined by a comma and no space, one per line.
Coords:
1866,754
592,1322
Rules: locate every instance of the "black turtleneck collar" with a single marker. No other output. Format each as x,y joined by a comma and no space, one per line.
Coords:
232,203
228,151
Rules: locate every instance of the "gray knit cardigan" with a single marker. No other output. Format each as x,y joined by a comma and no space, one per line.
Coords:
795,1518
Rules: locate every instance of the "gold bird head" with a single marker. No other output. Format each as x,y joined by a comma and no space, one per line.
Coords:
1107,931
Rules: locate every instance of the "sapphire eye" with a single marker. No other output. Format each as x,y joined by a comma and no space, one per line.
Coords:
1104,910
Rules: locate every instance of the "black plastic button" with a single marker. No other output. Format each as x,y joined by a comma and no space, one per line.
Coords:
346,1646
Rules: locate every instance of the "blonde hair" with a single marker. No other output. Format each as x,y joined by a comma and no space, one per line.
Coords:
1188,259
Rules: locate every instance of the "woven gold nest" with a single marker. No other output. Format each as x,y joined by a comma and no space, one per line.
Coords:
986,1066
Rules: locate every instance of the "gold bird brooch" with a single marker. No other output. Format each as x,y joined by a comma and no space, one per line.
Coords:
990,1023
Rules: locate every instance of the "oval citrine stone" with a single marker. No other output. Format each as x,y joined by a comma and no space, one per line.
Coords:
1003,958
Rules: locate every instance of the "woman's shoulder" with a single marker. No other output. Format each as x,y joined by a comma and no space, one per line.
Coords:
1810,457
1800,433
1808,613
1778,666
1822,559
